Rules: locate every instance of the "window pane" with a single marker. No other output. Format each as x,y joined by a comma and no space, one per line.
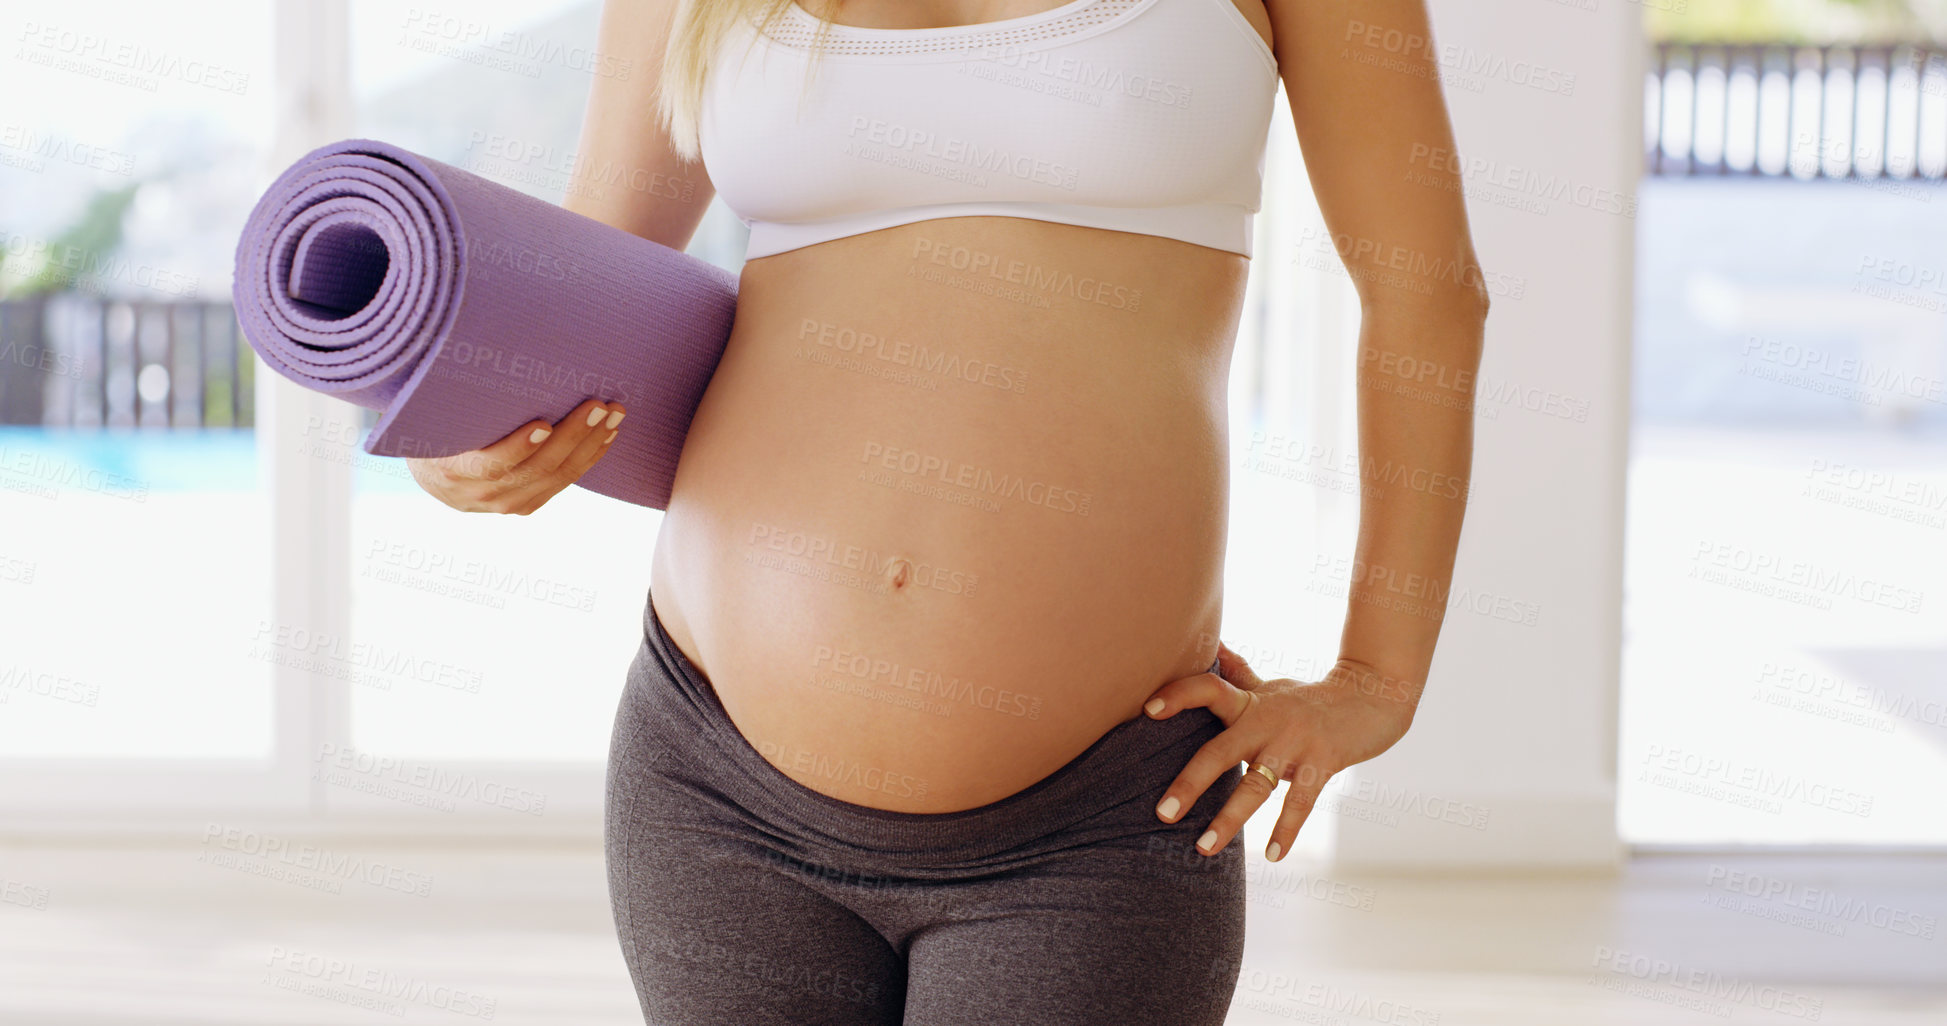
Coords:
1785,661
134,565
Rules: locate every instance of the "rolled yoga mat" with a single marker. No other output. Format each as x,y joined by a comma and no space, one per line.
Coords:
464,309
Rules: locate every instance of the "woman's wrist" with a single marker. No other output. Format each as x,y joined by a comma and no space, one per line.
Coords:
1383,687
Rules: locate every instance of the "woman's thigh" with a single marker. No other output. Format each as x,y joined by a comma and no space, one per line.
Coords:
1148,932
713,931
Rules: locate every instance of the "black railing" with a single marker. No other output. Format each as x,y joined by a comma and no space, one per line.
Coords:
70,359
1793,111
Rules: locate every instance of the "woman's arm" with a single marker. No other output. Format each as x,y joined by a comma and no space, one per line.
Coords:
1364,88
626,174
1363,80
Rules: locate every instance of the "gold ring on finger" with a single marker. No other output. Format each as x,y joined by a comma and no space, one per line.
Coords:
1268,775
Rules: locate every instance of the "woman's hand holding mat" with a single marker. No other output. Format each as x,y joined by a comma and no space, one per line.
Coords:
521,472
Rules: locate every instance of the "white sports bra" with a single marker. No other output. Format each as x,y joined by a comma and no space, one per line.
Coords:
1145,116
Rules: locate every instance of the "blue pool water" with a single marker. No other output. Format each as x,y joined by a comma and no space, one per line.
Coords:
207,460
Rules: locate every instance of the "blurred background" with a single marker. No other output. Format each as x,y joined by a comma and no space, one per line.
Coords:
283,740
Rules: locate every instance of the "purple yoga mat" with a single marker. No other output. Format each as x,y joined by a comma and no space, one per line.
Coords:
464,309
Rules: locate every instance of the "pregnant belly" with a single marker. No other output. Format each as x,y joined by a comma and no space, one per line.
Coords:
954,503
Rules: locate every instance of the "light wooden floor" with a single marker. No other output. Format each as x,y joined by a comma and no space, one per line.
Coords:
153,936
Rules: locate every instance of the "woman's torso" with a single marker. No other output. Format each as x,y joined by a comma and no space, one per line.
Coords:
954,503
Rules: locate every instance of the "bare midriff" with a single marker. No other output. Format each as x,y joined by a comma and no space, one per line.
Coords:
954,503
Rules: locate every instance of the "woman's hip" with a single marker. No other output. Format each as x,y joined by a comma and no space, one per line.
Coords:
678,763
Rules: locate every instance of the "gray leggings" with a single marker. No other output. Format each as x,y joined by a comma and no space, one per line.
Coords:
744,897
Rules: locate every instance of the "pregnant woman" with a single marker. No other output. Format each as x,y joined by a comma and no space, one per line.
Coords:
930,722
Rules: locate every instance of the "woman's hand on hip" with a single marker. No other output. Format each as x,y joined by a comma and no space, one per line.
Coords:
525,469
1301,732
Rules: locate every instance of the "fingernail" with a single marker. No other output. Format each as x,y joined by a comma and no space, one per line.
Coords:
615,419
1273,851
538,435
595,416
1209,838
1155,706
1167,810
611,437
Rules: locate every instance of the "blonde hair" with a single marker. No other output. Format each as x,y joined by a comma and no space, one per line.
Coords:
696,31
